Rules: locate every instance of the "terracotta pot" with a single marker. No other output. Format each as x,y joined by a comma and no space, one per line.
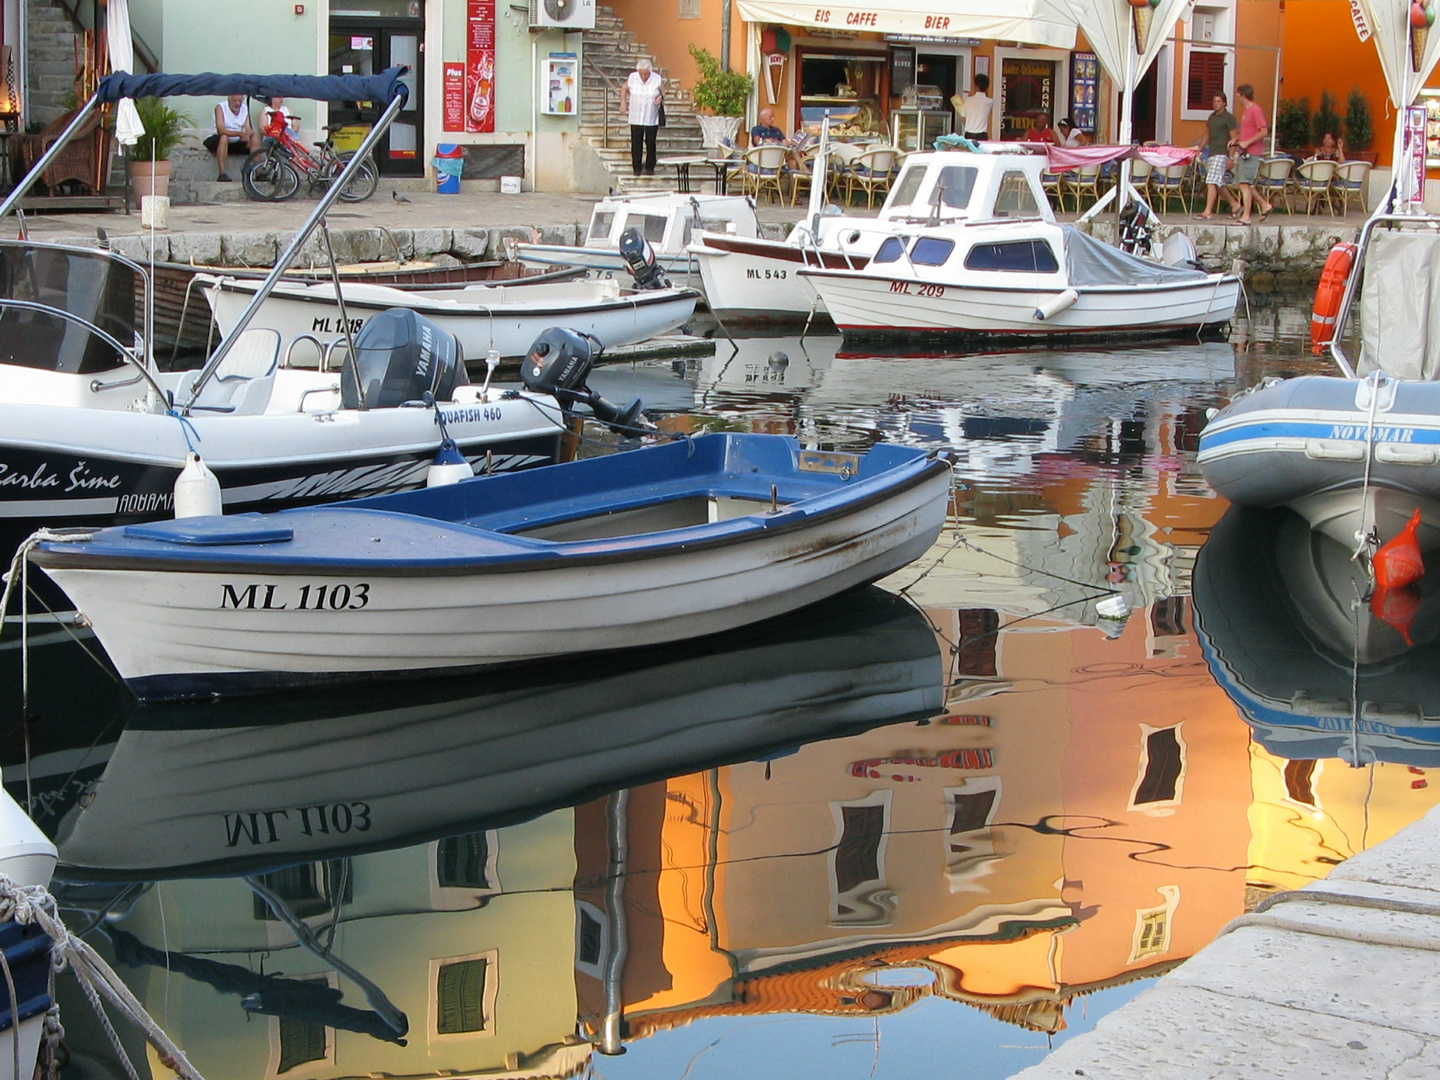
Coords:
141,182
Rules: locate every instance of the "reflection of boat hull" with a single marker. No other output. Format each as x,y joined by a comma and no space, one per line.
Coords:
1273,606
1304,443
401,766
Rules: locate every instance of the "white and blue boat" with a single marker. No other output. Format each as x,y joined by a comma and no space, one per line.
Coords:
27,860
1313,672
665,543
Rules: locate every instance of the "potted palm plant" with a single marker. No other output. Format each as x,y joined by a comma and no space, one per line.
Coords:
150,157
720,97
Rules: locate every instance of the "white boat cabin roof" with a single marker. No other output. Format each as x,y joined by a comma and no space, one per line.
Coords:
667,219
956,185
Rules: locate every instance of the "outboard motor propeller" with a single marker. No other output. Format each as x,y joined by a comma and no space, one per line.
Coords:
558,364
639,257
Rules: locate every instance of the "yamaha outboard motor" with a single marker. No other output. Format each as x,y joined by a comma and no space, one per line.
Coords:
1135,229
399,357
639,257
558,364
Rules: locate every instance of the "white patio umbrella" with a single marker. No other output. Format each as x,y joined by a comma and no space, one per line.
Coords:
128,127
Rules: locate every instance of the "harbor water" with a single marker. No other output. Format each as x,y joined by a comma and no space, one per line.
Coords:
934,827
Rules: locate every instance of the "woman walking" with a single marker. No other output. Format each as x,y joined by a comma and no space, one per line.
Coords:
641,99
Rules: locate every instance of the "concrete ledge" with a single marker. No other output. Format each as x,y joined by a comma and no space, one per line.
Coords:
1339,979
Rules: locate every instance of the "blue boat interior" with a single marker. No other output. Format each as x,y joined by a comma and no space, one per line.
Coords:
708,487
27,952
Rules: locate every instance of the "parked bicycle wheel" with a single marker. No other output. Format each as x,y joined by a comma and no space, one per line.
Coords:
362,185
268,177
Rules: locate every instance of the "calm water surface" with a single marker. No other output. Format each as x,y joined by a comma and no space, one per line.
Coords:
938,833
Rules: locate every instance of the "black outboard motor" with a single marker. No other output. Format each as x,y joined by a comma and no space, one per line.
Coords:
558,364
400,356
1135,229
639,257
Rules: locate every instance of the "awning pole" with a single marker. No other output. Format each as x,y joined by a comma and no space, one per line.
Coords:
332,192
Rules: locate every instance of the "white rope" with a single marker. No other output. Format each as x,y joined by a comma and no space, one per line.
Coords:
1362,536
33,904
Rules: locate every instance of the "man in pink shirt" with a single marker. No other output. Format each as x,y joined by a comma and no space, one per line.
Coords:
1248,144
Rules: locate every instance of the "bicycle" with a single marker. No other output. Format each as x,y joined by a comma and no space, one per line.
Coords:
273,173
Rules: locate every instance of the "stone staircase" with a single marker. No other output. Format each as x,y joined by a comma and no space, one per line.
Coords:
50,60
613,50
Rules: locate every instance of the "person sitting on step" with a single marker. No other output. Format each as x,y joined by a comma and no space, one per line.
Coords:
232,132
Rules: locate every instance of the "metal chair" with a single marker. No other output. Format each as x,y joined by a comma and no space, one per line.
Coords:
1275,181
1351,178
1169,183
1312,180
870,171
764,171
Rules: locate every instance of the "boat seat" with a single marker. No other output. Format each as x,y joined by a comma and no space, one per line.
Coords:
245,379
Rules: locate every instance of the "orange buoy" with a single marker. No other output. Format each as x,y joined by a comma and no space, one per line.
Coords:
1328,295
1398,562
1396,608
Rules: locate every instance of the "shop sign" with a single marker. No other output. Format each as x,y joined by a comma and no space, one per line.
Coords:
1357,16
480,66
454,97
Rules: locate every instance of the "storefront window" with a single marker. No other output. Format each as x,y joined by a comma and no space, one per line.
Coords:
850,88
376,9
1027,89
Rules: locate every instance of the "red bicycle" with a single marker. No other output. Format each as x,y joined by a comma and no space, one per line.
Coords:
273,173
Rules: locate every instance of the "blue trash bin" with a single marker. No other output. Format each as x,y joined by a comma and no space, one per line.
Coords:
449,162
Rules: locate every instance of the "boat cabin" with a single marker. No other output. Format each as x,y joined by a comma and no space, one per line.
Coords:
667,219
956,185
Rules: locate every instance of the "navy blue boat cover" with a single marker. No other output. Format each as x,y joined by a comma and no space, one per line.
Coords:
379,88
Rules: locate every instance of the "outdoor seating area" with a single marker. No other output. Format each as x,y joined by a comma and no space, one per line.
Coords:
782,173
1312,186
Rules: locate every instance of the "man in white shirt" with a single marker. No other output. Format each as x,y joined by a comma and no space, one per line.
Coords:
975,109
232,131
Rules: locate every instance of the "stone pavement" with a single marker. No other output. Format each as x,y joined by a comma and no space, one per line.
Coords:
1339,979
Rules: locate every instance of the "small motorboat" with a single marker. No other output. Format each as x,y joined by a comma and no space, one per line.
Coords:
1354,453
666,220
1022,278
669,542
1292,633
501,318
385,767
27,858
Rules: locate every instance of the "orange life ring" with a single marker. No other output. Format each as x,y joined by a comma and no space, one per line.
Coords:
1328,295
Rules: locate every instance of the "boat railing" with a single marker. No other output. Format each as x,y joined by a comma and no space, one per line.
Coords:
10,302
1352,283
610,84
288,359
147,299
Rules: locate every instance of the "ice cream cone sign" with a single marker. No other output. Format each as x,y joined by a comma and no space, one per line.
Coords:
1422,17
1144,11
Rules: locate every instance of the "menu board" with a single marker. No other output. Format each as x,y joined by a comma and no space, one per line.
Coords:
480,66
902,69
1084,89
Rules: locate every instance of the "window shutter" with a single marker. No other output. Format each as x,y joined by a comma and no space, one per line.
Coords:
1206,79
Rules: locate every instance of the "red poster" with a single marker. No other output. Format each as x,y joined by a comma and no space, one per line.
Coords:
454,97
480,66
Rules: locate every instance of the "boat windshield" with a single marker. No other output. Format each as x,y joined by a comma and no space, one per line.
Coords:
90,285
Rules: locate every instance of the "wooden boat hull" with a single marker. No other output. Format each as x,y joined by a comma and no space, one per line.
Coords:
175,626
750,280
1306,443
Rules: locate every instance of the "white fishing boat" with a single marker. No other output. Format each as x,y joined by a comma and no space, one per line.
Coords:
660,544
502,318
1027,278
665,220
27,859
749,279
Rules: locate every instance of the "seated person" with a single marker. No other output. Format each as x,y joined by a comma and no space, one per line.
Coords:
1070,135
1331,149
232,132
766,131
1042,132
276,114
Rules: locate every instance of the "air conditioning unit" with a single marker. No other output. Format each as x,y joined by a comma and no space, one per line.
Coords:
562,14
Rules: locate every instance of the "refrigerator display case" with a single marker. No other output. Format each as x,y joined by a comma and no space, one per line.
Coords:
917,129
1431,100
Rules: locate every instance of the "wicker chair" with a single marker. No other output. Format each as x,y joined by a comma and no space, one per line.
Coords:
1274,180
1085,180
870,172
1169,183
765,170
1312,180
1350,180
84,160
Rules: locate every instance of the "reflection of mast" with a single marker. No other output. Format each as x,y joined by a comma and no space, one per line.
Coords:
615,817
307,940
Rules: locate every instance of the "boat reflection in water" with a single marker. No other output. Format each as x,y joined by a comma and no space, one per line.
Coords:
1291,633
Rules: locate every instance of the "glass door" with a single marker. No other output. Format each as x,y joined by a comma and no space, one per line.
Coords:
363,47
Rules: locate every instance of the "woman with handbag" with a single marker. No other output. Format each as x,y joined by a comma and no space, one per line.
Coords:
642,99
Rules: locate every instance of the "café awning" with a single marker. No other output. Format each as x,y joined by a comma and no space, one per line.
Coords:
1030,22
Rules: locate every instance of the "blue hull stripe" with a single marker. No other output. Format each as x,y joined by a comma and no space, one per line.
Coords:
1297,429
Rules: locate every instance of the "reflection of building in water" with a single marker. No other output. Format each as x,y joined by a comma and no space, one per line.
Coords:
1083,825
470,938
